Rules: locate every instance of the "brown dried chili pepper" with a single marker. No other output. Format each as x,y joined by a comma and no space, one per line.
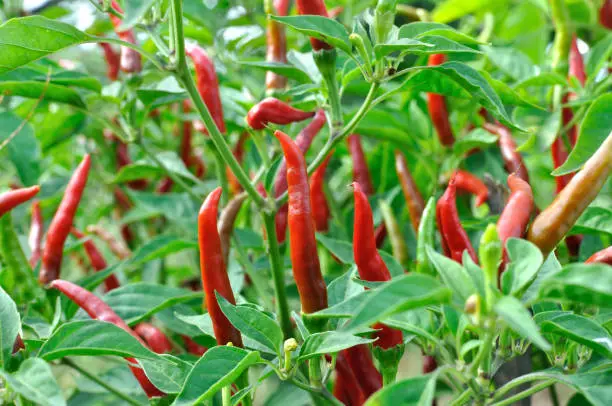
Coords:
347,387
513,161
154,337
603,257
277,45
413,197
112,61
130,59
318,200
226,222
117,247
370,264
455,238
13,198
62,223
96,259
551,225
97,309
214,272
469,183
360,360
314,7
207,84
272,110
303,141
304,256
36,234
361,172
436,105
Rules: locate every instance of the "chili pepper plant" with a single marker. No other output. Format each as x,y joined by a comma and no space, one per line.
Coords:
311,202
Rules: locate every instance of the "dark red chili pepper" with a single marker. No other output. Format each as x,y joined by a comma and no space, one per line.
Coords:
62,223
122,156
130,59
559,156
429,364
207,83
605,14
361,172
318,200
193,347
314,7
436,105
513,161
112,61
214,273
18,344
604,257
347,387
469,183
576,64
125,204
303,141
277,46
304,256
413,197
154,337
36,234
360,361
226,222
455,238
238,151
97,309
96,259
9,200
186,135
271,110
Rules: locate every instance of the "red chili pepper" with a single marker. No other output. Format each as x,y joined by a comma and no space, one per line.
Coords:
513,161
436,105
186,135
303,141
112,61
576,64
154,337
429,364
361,172
271,110
207,83
18,345
235,186
360,361
318,200
62,223
96,259
97,309
314,7
605,14
336,11
455,238
413,197
36,234
277,46
214,273
130,58
604,257
13,198
469,183
347,387
304,257
193,347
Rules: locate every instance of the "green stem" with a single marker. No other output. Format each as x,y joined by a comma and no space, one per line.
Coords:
463,398
525,393
100,382
322,392
563,38
482,353
554,397
278,277
521,380
226,395
221,175
314,372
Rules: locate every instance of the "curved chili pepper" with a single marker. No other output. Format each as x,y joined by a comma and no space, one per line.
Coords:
154,337
193,347
226,222
271,110
214,273
413,197
455,238
436,105
513,161
96,259
361,172
303,141
117,247
207,83
277,46
318,200
347,387
304,256
555,221
36,234
467,182
130,59
62,223
13,198
238,151
360,361
314,7
604,257
96,308
112,61
605,14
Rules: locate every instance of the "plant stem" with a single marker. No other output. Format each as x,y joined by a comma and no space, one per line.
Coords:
226,395
554,397
463,398
100,382
278,277
518,382
482,353
314,372
525,393
562,35
324,393
221,175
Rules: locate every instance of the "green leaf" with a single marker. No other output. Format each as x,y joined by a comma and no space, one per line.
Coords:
160,247
419,390
284,69
525,261
35,381
450,10
597,57
35,37
167,373
581,330
24,149
134,10
323,28
512,62
454,276
9,326
477,138
148,169
509,95
343,309
420,28
154,98
588,284
400,44
340,249
594,130
253,324
329,342
428,44
92,337
217,368
593,220
41,73
512,311
544,79
550,267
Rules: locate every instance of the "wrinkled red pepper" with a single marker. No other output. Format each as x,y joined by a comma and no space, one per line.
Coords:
112,61
413,197
347,387
513,161
96,259
361,172
277,46
154,337
469,183
318,200
238,151
360,361
314,7
13,198
271,110
436,105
